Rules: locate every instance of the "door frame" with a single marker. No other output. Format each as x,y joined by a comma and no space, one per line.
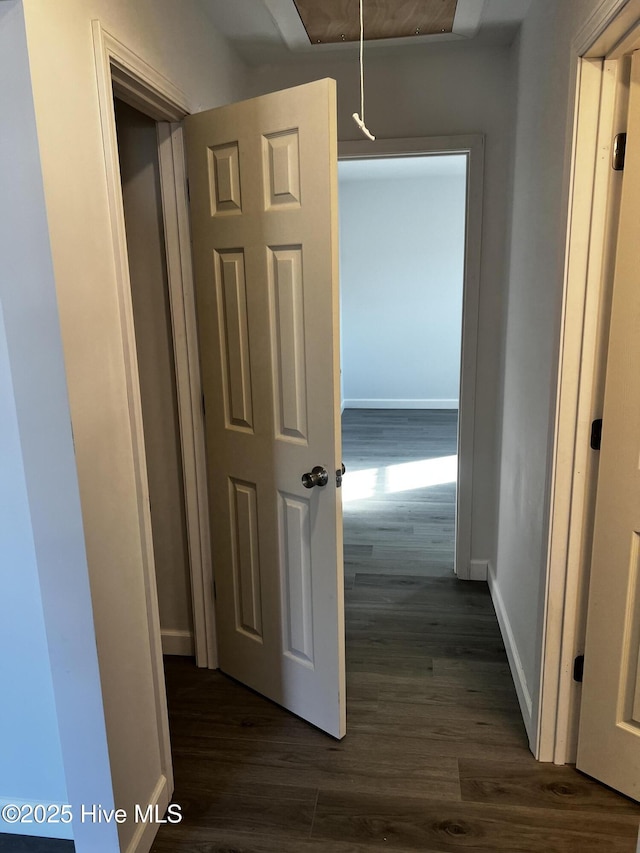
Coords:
594,195
473,147
121,72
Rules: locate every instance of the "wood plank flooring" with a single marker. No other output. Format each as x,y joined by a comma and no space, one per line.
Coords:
395,521
435,759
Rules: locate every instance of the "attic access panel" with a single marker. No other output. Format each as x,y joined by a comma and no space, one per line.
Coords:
339,20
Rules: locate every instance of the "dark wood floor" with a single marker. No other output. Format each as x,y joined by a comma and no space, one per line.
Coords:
396,520
435,758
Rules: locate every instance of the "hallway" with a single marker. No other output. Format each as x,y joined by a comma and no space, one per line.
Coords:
435,758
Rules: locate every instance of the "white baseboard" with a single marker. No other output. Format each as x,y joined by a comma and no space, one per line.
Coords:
399,404
478,570
342,407
517,672
178,643
146,832
42,830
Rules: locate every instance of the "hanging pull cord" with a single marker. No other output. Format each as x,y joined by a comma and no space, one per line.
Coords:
359,119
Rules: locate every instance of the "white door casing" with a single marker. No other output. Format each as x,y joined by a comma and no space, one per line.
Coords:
473,148
609,737
263,191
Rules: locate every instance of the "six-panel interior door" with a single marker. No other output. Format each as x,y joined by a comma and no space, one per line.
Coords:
263,191
609,737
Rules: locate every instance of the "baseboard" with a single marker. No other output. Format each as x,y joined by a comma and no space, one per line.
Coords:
379,403
342,407
41,830
145,833
513,656
478,570
178,643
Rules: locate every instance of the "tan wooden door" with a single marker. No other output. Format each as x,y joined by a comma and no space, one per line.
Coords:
609,738
263,190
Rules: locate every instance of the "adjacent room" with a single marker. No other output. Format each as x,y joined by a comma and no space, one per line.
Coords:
402,246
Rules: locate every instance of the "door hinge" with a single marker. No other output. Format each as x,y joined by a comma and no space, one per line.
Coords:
204,408
596,434
215,595
619,150
188,191
578,668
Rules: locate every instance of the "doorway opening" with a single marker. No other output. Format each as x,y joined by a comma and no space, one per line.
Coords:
129,87
437,368
402,281
144,223
466,155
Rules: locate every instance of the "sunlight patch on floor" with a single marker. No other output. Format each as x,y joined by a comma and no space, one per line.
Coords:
361,485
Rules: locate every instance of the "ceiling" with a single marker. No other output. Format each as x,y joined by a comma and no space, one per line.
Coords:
272,31
401,168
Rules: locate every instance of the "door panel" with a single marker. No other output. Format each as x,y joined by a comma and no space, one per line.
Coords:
234,339
263,186
609,738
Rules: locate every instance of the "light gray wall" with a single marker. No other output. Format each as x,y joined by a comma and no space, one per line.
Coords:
401,277
435,91
546,91
52,735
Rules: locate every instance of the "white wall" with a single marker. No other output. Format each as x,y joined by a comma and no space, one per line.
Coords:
52,734
546,88
401,277
434,91
180,42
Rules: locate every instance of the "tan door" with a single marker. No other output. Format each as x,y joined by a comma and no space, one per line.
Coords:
263,187
609,738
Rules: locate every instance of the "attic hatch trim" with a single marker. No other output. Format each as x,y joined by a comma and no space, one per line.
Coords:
285,15
337,20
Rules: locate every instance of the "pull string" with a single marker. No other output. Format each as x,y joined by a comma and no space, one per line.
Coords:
359,119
